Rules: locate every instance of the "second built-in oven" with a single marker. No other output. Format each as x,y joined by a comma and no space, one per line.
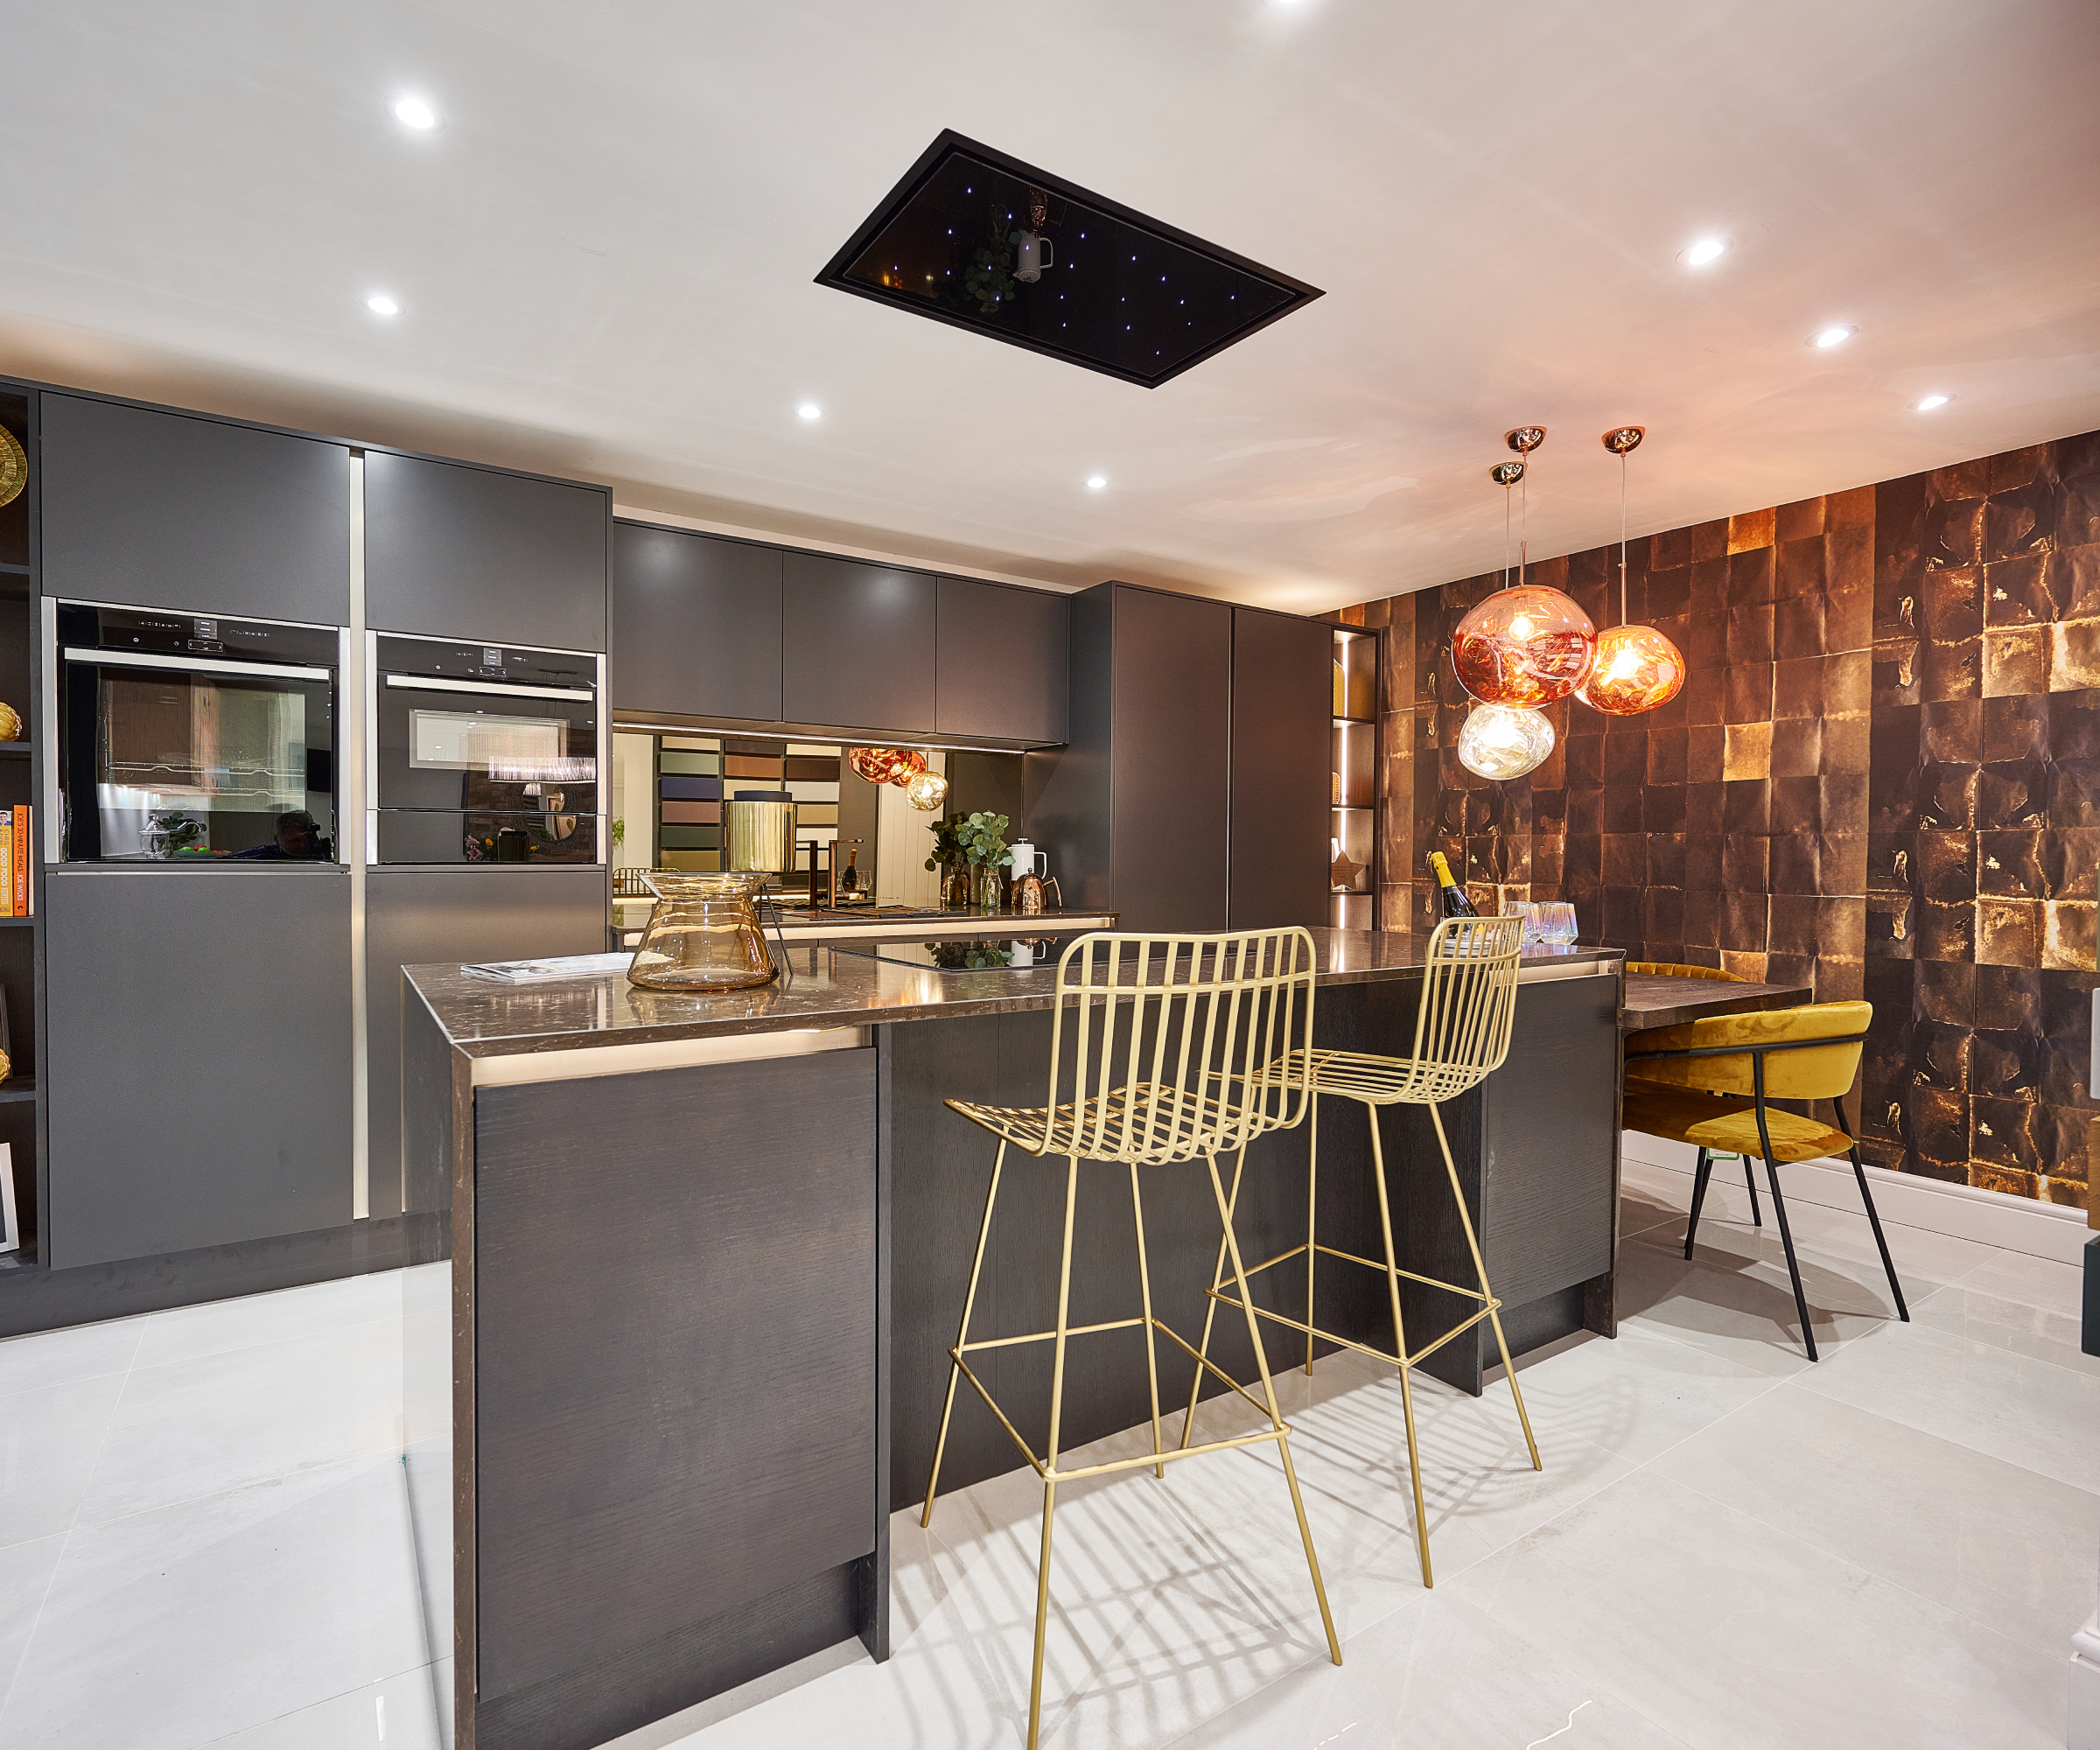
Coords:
482,753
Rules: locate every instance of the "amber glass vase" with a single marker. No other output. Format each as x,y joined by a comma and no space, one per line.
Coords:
703,934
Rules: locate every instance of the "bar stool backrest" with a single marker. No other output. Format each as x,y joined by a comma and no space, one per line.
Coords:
1468,1002
1189,1020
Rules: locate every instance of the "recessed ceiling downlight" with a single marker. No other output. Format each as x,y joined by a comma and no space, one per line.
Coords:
1706,249
809,409
414,112
381,303
1096,482
1835,335
1929,401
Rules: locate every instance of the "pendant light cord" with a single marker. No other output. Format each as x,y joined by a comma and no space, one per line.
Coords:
1622,537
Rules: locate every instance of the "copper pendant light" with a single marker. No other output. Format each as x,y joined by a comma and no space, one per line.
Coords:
1529,645
1637,666
1499,741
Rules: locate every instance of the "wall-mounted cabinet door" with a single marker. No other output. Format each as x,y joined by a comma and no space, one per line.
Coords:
1282,702
1003,657
458,552
696,624
160,509
857,646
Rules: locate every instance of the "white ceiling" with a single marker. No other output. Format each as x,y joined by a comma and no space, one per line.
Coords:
605,255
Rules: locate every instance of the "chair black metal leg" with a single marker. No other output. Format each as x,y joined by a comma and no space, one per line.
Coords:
1873,1220
1786,1238
1757,1219
1698,1196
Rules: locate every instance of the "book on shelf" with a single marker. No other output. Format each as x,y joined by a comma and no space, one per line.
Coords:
19,887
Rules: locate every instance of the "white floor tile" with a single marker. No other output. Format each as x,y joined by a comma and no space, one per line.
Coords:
2009,1549
49,1443
2029,1413
399,1713
59,1357
25,1572
175,1626
185,1333
194,1428
2021,1326
1738,1635
2031,1281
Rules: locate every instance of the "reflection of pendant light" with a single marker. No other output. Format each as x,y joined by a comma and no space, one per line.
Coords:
926,790
1637,668
1531,645
896,766
1505,741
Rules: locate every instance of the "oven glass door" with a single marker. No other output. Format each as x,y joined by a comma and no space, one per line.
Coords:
170,759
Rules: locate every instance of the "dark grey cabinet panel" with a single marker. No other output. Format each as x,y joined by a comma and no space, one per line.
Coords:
1171,702
413,916
464,552
675,1365
1003,656
198,1068
1282,703
857,645
165,509
696,624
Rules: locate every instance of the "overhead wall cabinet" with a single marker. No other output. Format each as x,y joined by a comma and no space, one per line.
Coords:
696,624
857,645
1004,654
146,507
453,551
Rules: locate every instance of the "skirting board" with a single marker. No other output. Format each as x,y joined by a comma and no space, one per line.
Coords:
2084,1724
2019,1224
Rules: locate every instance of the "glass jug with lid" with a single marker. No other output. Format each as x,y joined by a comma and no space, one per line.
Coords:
703,933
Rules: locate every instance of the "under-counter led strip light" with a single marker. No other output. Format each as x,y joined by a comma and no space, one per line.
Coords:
821,737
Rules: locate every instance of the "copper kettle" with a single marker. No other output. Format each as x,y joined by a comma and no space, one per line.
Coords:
1033,892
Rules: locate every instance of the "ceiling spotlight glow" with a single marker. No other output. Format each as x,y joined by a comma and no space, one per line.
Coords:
381,304
1706,249
1933,400
413,112
1095,482
809,409
1837,335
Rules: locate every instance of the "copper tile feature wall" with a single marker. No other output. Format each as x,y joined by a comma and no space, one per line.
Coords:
1881,778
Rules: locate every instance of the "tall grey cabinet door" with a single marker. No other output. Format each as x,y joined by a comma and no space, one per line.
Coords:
198,1069
413,916
696,624
1002,661
161,510
1171,709
1282,703
457,551
857,645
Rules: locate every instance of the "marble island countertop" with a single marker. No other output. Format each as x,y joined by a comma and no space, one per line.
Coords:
824,986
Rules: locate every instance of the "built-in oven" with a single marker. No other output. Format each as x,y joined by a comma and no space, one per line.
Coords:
191,739
482,753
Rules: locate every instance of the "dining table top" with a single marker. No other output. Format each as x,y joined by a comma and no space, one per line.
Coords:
1653,999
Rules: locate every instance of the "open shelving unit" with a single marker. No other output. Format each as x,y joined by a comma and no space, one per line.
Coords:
1352,815
21,959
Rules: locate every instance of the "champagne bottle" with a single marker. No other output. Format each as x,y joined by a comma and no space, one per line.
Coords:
1451,897
849,881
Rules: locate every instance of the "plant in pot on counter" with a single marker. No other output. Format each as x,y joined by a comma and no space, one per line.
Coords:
983,837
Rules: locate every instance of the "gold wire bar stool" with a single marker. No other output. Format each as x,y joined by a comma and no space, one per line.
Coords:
1178,1048
1462,1028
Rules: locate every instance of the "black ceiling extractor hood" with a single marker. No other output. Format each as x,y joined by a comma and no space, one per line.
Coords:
980,241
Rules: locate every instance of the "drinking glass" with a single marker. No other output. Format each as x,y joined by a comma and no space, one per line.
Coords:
1557,923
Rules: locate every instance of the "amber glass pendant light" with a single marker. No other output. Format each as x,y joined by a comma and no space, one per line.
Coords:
1530,645
1637,666
896,766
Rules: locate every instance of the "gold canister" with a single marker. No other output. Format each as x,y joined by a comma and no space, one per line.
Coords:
758,832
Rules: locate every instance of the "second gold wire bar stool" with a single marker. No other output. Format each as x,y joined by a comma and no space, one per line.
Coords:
1462,1028
1163,1041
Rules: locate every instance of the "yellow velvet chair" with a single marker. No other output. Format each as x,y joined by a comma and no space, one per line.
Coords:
1670,969
1710,1082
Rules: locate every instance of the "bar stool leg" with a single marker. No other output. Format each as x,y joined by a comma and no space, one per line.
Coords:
1210,1307
1407,1391
1312,1226
1494,1317
1057,1412
955,1366
1145,1285
1276,1418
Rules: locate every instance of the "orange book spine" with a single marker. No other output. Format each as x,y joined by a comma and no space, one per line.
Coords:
7,865
21,908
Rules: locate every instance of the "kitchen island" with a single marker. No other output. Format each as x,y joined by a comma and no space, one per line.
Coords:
707,1254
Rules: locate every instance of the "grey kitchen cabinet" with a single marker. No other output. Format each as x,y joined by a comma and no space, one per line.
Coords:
1003,653
1135,809
196,1066
470,914
696,624
857,645
1282,702
150,507
452,550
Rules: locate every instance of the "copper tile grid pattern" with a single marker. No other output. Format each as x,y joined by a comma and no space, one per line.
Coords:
1882,778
